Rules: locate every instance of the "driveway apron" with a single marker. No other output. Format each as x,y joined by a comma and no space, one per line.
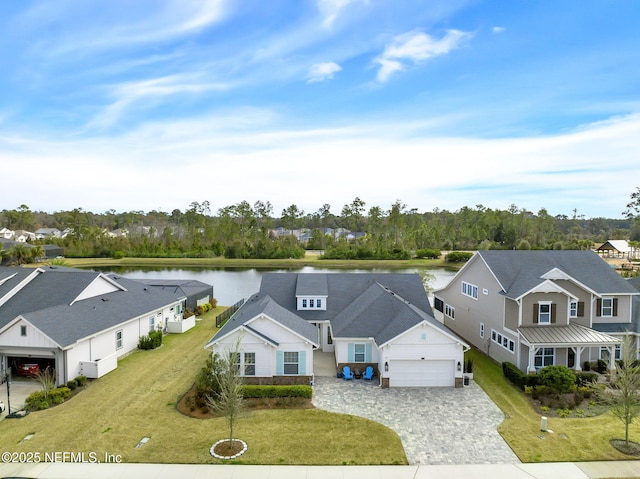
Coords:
435,425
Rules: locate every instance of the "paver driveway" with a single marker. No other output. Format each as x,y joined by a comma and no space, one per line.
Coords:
436,425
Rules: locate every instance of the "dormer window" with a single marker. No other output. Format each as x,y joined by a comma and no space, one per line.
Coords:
311,303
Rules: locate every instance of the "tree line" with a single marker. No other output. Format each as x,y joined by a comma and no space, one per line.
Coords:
246,230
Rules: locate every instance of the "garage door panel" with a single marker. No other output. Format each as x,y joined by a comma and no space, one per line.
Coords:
421,373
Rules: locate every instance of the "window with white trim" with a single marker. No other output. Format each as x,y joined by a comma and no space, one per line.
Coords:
500,340
450,311
573,309
119,339
23,330
544,357
604,353
249,364
470,290
310,303
544,313
607,307
152,323
291,362
304,304
359,353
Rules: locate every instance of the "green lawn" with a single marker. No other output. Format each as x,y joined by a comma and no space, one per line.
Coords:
584,439
309,260
138,399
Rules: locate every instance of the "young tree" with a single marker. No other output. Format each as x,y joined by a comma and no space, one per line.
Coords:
47,380
625,397
229,401
633,207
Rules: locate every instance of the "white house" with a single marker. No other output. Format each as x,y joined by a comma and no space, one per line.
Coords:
79,322
379,320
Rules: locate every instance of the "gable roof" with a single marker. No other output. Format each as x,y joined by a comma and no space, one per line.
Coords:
261,304
48,303
185,287
520,271
622,246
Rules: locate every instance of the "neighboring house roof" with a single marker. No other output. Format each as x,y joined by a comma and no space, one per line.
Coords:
621,246
261,304
518,272
635,282
565,335
186,287
50,302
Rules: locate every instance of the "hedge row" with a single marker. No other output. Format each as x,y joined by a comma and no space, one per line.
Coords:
301,391
520,379
36,400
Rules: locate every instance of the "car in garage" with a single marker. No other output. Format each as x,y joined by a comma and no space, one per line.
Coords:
28,369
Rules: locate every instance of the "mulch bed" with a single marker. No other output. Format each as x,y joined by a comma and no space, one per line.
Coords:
228,448
558,406
631,449
187,405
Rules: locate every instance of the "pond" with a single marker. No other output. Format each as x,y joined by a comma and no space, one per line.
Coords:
233,284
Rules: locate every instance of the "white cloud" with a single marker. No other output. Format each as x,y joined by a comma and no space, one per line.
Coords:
127,94
415,47
331,8
498,29
557,172
322,71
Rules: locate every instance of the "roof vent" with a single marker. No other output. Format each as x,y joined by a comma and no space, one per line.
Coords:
105,299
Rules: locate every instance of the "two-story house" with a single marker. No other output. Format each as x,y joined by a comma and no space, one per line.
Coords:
537,308
379,320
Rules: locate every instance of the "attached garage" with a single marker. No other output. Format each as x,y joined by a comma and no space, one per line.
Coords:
422,373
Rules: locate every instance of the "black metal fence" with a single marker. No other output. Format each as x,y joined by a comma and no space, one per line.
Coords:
227,313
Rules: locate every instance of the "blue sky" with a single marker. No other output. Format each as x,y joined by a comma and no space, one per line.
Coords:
153,104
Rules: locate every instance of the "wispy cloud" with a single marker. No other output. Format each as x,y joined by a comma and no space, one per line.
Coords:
322,71
127,94
415,48
498,29
330,9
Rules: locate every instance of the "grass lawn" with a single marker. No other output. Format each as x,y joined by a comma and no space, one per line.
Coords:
139,399
584,439
309,260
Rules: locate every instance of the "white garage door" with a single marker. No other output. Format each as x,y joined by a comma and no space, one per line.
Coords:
421,373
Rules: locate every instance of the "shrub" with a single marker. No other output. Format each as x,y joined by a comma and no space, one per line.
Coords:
601,366
513,374
468,365
431,253
81,380
458,256
297,391
214,303
561,379
34,399
151,341
583,379
586,366
118,254
72,384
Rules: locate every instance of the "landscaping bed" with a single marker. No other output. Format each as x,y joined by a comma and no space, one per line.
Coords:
189,407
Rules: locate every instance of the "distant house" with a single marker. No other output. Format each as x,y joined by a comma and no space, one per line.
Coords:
79,322
42,233
537,308
379,320
196,292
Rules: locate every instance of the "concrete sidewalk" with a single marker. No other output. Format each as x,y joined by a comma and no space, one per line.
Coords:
561,470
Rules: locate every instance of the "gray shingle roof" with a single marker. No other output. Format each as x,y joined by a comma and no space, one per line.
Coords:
263,304
520,271
46,303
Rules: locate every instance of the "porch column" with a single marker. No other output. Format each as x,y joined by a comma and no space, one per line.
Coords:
612,358
577,350
531,368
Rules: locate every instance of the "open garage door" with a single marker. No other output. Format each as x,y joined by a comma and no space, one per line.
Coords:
28,365
421,373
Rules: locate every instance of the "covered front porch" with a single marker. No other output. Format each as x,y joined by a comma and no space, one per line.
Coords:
544,341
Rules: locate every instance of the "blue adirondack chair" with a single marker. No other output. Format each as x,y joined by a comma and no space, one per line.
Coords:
368,373
347,374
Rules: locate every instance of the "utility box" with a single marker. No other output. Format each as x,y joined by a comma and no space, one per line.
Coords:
543,424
